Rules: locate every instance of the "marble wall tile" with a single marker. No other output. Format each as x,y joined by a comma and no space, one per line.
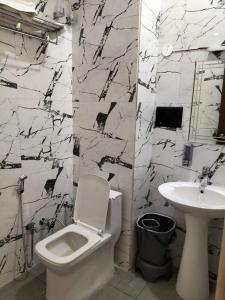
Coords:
57,124
191,24
148,60
105,47
184,25
106,148
209,155
36,138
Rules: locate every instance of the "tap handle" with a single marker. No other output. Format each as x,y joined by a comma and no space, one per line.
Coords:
205,171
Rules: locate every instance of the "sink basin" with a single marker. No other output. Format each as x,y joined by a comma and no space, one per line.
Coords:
198,206
186,196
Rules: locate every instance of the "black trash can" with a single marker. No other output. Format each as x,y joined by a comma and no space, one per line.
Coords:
155,232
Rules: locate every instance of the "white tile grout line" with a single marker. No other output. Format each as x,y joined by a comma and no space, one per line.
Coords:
118,289
141,290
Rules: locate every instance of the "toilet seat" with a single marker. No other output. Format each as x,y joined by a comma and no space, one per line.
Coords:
76,241
92,241
92,201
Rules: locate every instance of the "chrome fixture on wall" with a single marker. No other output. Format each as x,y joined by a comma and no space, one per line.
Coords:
35,27
188,154
31,229
20,182
204,178
20,191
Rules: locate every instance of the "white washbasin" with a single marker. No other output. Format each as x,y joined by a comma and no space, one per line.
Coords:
186,196
193,280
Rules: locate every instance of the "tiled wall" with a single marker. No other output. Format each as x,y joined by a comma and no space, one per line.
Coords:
41,135
105,47
185,24
148,60
36,137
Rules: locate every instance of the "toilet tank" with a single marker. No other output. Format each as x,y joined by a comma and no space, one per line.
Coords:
114,215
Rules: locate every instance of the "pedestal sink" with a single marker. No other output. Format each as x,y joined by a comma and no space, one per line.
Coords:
198,206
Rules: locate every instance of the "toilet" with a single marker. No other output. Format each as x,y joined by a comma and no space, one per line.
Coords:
80,257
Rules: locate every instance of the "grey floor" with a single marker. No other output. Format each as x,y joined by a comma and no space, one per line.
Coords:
123,286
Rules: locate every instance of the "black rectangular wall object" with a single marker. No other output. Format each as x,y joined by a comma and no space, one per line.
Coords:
169,117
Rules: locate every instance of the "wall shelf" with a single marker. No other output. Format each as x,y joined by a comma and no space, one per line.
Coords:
35,27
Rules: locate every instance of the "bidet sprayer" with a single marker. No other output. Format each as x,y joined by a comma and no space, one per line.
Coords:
21,180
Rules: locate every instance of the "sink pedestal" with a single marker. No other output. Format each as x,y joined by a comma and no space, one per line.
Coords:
193,279
199,208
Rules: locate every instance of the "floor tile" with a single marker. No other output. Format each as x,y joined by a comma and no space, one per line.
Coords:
130,283
39,272
123,286
38,269
173,295
160,290
40,297
108,292
42,277
148,293
29,290
17,283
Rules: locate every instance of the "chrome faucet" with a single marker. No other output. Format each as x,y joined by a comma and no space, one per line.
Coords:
205,177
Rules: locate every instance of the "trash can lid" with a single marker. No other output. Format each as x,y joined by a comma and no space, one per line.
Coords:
156,222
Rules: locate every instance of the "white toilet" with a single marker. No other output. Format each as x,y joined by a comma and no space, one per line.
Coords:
80,257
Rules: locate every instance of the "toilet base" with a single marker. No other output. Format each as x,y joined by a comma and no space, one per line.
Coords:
81,280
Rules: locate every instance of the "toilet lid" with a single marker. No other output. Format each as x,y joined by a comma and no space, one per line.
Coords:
92,201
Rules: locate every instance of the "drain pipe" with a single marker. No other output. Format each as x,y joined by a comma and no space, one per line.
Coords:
20,191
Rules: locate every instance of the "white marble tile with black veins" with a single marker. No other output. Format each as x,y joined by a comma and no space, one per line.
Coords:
36,136
105,94
148,59
184,25
191,24
45,131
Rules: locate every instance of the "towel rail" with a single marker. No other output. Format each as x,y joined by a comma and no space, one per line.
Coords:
10,19
44,39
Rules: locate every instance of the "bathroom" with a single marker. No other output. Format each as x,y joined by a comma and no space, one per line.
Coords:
95,88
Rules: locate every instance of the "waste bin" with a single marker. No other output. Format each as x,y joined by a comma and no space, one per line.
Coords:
155,232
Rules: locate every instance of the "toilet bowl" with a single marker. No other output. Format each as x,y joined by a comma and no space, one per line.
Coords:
80,257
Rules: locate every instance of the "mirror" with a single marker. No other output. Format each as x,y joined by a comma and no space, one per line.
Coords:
208,104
